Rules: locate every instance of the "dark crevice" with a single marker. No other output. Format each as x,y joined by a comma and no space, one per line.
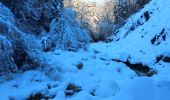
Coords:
159,58
139,68
159,38
40,96
162,31
146,15
166,59
163,58
80,66
153,40
72,89
93,93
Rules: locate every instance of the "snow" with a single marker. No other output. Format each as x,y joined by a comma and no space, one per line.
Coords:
101,78
24,85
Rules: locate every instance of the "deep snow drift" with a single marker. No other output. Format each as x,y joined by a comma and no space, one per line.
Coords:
105,71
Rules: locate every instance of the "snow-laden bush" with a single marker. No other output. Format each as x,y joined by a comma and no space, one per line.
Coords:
23,44
6,14
25,47
15,36
8,30
6,60
34,16
66,33
18,50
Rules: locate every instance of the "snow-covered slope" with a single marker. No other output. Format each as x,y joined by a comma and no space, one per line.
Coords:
135,66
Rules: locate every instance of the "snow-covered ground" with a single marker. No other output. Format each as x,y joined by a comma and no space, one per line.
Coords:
100,71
